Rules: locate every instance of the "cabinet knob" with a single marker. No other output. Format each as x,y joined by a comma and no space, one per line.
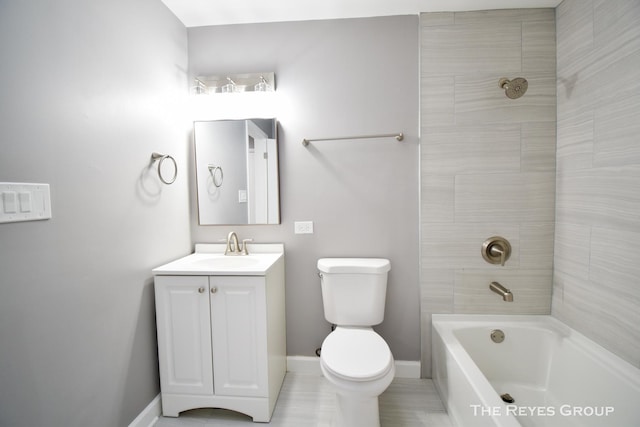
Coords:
201,290
214,290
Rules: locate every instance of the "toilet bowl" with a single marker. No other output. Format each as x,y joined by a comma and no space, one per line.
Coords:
359,365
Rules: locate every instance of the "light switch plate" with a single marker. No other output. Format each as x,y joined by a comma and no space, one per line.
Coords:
24,202
303,227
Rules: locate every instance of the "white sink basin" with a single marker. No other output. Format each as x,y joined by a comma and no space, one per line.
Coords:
236,261
216,263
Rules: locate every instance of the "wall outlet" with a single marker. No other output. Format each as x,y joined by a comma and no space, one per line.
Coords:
303,227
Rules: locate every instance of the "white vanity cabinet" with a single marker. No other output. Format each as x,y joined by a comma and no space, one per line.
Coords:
221,338
183,319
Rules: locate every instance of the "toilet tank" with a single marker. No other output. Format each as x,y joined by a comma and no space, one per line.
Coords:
354,290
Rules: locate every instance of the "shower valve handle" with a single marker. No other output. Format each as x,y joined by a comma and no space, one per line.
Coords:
496,250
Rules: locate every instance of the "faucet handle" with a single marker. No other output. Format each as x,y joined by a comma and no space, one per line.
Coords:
496,250
244,246
227,249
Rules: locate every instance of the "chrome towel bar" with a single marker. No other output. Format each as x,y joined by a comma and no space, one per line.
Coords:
397,136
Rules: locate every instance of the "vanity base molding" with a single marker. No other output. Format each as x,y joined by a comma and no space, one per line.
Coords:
258,408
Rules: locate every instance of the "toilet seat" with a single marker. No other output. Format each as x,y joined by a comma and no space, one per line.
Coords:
356,354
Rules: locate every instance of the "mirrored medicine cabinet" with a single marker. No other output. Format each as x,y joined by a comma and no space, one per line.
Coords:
237,172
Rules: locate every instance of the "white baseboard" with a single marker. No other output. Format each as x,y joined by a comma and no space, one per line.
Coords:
149,415
311,365
304,365
407,369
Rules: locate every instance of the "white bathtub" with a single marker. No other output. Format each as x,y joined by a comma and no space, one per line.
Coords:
556,375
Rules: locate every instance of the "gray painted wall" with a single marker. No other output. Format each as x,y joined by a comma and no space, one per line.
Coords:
335,78
488,162
88,90
597,249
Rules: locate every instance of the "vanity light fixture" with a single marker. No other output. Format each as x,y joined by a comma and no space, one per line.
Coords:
230,87
262,86
233,83
199,88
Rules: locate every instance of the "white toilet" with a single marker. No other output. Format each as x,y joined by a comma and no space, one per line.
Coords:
354,358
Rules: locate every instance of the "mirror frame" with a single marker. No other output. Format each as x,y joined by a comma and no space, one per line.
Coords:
239,198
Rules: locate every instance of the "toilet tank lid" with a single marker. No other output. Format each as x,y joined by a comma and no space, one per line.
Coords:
354,265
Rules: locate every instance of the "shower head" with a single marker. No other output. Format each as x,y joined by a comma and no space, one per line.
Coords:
515,88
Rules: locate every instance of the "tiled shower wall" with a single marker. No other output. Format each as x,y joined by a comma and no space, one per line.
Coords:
487,162
597,251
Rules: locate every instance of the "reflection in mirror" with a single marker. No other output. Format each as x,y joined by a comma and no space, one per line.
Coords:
237,172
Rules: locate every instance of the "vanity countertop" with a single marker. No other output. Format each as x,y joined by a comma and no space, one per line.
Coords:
209,260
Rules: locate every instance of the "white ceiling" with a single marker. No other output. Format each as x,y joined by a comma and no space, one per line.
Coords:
197,13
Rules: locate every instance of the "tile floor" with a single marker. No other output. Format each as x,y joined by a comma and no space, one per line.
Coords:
307,401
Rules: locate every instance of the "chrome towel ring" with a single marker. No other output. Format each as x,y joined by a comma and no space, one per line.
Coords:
216,171
163,157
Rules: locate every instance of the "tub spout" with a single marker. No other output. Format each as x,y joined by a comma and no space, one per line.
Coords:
502,291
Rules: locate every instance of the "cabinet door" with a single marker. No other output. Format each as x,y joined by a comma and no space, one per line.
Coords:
238,324
184,334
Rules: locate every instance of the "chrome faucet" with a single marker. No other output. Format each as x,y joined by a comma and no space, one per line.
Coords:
237,249
502,291
232,238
